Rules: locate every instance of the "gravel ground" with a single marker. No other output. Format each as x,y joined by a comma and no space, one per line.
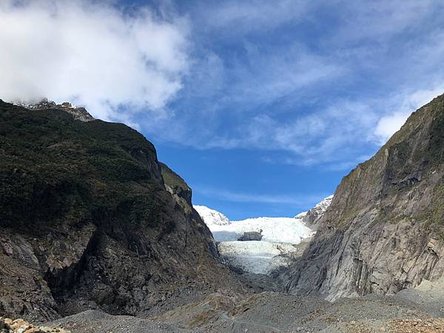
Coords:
94,321
418,310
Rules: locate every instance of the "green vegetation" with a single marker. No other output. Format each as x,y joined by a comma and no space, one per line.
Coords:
402,171
55,170
172,179
434,216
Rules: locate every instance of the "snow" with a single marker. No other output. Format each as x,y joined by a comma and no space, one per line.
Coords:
324,203
284,238
320,208
211,217
274,229
312,216
301,215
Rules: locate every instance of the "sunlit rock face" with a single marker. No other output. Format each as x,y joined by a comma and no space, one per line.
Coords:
383,231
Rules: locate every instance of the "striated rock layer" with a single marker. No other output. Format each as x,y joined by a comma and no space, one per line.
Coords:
87,220
384,230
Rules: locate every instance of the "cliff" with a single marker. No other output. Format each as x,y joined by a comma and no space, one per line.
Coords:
87,220
384,230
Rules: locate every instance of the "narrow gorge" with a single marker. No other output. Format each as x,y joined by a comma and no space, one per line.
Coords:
96,234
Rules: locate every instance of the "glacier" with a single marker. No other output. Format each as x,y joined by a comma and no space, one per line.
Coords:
283,238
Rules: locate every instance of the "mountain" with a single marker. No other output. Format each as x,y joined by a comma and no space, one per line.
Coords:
211,217
384,229
91,219
312,216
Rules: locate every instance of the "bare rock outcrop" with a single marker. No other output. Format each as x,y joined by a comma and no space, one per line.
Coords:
79,113
312,217
8,325
251,236
384,230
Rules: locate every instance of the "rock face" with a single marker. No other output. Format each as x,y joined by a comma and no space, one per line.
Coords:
251,236
313,216
90,219
384,230
182,193
79,113
8,325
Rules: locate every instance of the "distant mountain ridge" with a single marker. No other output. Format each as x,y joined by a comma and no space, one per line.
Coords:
79,113
313,215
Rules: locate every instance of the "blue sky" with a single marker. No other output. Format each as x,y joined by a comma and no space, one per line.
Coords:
261,106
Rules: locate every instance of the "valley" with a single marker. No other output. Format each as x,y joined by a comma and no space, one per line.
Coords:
98,235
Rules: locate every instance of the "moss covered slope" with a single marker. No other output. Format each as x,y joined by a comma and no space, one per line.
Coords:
86,220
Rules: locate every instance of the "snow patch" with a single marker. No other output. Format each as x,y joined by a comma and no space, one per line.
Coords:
274,229
211,217
312,216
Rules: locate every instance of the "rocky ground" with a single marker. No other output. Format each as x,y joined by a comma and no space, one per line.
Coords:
419,310
8,325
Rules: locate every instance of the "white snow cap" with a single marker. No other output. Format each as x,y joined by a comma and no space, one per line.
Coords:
273,229
320,207
313,215
325,203
211,217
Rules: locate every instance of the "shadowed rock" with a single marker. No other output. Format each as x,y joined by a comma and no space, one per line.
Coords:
87,221
251,236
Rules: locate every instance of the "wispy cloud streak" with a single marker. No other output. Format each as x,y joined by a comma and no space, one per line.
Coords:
231,196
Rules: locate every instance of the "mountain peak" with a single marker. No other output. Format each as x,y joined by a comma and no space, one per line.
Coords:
79,113
211,216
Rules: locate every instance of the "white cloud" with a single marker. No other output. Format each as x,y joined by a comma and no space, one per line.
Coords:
380,20
406,104
390,124
327,135
92,54
328,98
278,72
236,17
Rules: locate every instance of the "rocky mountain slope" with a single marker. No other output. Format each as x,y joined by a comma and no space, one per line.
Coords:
384,230
313,215
90,219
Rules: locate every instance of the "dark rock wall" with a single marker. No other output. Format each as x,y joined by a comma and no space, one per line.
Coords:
86,220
